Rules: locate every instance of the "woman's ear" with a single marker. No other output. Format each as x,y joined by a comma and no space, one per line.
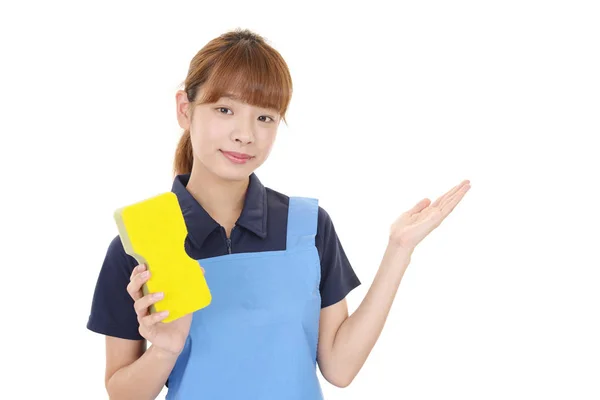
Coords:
183,109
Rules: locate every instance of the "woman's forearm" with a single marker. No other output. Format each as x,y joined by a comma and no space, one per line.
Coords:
358,334
144,378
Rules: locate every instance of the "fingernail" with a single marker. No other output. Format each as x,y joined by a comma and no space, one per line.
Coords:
145,274
164,313
158,295
142,267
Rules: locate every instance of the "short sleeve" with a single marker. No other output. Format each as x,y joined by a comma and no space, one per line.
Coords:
112,311
337,276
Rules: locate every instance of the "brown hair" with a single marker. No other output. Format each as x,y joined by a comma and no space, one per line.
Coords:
240,63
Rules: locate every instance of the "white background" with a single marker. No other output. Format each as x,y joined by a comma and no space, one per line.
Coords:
393,102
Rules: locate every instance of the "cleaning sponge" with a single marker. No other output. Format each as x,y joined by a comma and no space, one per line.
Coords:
153,231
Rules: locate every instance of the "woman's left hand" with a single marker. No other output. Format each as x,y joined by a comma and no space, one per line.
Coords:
415,224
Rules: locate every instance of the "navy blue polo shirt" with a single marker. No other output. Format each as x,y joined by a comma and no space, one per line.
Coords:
262,226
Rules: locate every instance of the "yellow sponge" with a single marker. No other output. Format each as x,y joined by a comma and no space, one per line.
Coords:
153,231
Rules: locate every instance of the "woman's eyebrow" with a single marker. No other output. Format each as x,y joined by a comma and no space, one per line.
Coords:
231,96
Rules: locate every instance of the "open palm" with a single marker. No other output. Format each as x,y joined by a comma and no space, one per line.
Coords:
415,224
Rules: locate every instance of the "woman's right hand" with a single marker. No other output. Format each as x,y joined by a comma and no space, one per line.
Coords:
169,337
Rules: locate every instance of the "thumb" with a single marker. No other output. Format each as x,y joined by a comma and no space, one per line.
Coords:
419,206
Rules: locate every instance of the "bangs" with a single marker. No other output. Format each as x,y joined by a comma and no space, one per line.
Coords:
251,73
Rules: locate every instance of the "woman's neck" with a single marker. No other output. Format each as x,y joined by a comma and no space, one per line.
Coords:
222,199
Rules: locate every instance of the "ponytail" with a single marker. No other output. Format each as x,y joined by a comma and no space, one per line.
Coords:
184,156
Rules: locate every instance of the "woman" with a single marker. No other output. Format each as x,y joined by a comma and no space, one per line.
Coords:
277,272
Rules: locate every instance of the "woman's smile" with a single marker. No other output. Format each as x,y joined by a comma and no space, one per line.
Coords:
237,158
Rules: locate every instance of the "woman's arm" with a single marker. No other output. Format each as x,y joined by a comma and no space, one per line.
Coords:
132,373
346,342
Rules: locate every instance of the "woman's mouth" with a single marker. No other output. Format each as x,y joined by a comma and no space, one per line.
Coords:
237,158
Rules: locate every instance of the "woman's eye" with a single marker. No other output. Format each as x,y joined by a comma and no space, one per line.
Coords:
264,116
223,108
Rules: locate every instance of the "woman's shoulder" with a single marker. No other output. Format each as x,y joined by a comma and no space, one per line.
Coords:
116,257
277,200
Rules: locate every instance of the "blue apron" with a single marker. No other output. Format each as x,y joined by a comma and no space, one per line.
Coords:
257,340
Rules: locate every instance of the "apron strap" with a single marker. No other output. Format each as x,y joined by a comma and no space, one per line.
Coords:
303,215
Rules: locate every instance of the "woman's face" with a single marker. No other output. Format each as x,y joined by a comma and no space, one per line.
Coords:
230,138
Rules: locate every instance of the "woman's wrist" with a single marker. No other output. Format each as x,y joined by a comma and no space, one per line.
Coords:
400,253
163,354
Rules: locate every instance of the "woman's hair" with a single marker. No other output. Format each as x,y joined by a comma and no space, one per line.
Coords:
238,63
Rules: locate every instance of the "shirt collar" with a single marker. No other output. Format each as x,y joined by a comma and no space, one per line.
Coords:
200,224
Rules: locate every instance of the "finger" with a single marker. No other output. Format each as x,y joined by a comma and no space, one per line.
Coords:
419,206
442,199
155,318
450,193
141,305
134,288
138,268
454,200
439,201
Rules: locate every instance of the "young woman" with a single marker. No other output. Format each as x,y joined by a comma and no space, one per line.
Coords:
277,272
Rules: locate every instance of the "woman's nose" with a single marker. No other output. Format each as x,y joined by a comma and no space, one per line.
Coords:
243,133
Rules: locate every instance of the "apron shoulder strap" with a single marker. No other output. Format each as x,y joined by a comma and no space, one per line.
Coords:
303,215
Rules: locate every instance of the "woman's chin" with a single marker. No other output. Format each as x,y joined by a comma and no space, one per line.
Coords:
235,173
230,171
